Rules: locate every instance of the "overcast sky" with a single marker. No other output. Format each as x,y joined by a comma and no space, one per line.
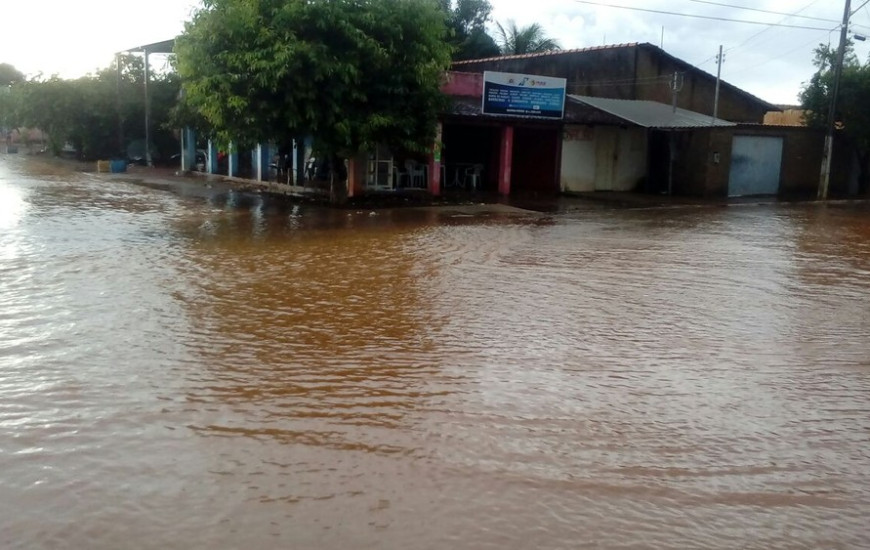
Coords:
59,36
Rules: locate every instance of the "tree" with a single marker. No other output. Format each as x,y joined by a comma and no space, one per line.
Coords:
530,39
92,112
467,21
9,75
348,73
853,109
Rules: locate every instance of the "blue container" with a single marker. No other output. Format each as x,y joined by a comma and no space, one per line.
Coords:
117,166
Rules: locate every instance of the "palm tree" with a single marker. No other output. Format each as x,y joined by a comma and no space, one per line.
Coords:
529,39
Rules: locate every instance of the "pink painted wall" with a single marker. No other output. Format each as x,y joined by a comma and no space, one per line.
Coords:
463,84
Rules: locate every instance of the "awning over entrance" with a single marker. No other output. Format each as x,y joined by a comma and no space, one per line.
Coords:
650,114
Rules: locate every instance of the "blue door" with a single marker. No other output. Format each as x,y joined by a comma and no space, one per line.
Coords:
755,166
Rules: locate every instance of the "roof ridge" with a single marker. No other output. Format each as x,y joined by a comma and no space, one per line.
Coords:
547,53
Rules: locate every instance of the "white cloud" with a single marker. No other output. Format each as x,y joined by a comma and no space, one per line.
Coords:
771,65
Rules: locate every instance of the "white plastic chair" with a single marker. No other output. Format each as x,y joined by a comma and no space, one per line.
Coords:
472,175
416,174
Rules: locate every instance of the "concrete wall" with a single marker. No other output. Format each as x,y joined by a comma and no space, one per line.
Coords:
603,158
655,70
578,159
696,172
631,159
631,71
463,84
591,71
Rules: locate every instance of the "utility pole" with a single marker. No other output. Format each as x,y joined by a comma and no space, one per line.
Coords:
147,114
825,177
120,152
719,60
676,86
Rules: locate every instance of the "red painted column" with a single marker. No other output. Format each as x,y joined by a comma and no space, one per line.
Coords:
505,159
356,175
435,164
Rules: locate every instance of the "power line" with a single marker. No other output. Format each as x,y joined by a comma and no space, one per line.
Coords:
774,58
859,7
759,33
642,81
765,11
745,21
762,31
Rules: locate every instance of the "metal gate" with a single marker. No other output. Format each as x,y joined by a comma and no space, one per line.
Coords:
756,162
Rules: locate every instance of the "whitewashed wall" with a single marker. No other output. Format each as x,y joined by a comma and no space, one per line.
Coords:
578,159
603,158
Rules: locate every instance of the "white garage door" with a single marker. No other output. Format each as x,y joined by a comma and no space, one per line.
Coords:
756,162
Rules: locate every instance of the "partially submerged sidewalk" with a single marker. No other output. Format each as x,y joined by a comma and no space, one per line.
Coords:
204,185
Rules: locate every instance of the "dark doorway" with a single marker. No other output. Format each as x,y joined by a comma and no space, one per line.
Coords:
470,157
534,170
659,162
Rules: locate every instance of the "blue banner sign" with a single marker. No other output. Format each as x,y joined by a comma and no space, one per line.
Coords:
523,95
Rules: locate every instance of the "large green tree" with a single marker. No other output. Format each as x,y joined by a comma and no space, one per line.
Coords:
349,73
514,40
95,113
467,21
853,108
9,75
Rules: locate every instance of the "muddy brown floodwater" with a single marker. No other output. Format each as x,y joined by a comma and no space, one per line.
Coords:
230,371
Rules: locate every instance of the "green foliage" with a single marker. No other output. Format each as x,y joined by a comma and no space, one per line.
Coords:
853,109
9,75
514,40
466,20
349,73
91,113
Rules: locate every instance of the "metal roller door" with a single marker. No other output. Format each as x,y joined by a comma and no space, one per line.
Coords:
756,162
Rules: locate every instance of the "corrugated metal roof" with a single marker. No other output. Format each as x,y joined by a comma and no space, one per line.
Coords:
549,53
165,46
651,114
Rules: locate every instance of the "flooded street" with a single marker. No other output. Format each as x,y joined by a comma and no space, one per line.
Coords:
221,370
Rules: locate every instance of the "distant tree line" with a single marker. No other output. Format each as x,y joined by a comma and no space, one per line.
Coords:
347,73
98,115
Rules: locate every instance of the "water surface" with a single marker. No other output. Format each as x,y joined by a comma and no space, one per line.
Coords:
221,370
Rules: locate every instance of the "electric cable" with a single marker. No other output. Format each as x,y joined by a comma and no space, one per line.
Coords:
709,17
759,33
765,11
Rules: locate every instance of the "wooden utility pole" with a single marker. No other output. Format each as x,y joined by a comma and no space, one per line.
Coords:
825,177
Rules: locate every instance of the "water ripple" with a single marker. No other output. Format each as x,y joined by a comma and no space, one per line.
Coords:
228,370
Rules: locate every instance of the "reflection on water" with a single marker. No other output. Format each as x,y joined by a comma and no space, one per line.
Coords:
226,370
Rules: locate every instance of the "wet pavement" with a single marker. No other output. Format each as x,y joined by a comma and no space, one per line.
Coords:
218,369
